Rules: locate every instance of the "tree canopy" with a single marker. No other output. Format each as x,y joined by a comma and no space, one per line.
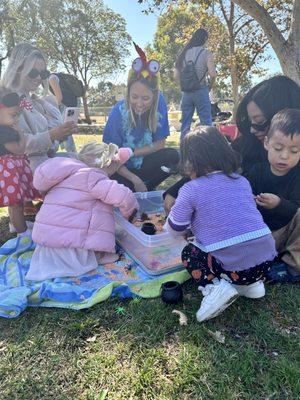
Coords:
278,19
83,37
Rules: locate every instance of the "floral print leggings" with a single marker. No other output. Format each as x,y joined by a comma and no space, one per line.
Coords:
203,267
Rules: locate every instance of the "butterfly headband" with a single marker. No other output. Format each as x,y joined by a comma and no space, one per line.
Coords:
142,67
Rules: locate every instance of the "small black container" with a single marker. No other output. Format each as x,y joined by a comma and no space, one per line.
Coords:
148,228
171,292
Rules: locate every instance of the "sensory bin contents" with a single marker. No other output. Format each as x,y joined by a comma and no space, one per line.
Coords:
158,219
156,254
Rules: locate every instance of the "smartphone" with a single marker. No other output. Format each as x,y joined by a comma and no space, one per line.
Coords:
71,114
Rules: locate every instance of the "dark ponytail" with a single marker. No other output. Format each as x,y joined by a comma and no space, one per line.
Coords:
199,38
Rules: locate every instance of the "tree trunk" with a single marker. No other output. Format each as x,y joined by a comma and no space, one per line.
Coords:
290,63
233,74
233,67
1,64
86,109
235,89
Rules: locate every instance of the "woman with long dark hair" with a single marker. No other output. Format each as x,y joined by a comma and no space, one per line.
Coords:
192,68
253,119
254,114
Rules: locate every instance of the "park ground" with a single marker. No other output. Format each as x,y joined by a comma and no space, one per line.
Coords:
144,354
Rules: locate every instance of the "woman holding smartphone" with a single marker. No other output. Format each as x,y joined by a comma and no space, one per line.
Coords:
40,120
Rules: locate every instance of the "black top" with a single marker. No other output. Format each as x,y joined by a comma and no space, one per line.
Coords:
7,135
287,187
252,151
174,189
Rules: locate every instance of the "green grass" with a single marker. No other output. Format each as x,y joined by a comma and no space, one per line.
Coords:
145,353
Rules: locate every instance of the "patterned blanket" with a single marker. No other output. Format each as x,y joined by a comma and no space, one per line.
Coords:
123,279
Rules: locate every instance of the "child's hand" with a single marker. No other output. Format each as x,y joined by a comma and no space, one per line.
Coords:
267,200
188,236
132,216
169,202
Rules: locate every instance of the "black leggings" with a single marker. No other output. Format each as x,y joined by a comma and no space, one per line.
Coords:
203,267
150,172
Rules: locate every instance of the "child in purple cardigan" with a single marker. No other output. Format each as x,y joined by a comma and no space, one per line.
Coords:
233,247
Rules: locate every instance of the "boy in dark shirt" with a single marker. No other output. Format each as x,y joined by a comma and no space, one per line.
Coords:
276,186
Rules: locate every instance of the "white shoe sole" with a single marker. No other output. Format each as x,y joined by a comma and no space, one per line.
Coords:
258,291
228,302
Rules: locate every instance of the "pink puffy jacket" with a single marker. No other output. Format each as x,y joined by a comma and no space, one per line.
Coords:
78,207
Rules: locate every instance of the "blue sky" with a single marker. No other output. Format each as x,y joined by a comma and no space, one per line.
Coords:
142,28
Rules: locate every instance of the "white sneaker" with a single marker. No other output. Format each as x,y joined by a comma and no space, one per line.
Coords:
254,291
217,297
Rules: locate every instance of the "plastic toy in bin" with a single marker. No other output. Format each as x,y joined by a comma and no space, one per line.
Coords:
155,253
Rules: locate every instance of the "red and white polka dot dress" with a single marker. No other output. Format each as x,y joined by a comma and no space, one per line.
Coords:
16,181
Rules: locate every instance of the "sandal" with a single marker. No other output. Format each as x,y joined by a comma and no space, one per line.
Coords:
279,273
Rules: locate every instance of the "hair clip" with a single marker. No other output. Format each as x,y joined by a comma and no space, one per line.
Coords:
25,104
143,67
98,161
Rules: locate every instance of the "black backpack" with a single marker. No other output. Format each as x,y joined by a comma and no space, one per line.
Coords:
189,81
71,88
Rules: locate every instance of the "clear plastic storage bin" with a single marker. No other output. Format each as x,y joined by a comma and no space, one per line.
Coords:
156,254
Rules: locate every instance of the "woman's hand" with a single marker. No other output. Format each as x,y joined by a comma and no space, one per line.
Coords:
145,150
62,131
139,185
168,203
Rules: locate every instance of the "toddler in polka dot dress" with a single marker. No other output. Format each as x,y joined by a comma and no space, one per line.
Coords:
15,173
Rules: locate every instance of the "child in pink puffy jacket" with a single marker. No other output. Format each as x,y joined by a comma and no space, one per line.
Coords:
74,230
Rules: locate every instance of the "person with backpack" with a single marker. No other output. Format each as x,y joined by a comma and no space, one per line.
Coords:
67,90
195,71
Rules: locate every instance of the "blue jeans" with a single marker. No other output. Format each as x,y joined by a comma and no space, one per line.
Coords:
190,101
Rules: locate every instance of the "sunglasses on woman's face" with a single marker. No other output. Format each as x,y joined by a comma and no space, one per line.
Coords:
34,73
10,100
261,127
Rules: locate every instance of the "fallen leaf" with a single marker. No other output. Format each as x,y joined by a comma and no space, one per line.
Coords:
182,317
91,339
217,335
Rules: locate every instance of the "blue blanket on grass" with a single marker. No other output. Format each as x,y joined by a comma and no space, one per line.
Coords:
123,279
